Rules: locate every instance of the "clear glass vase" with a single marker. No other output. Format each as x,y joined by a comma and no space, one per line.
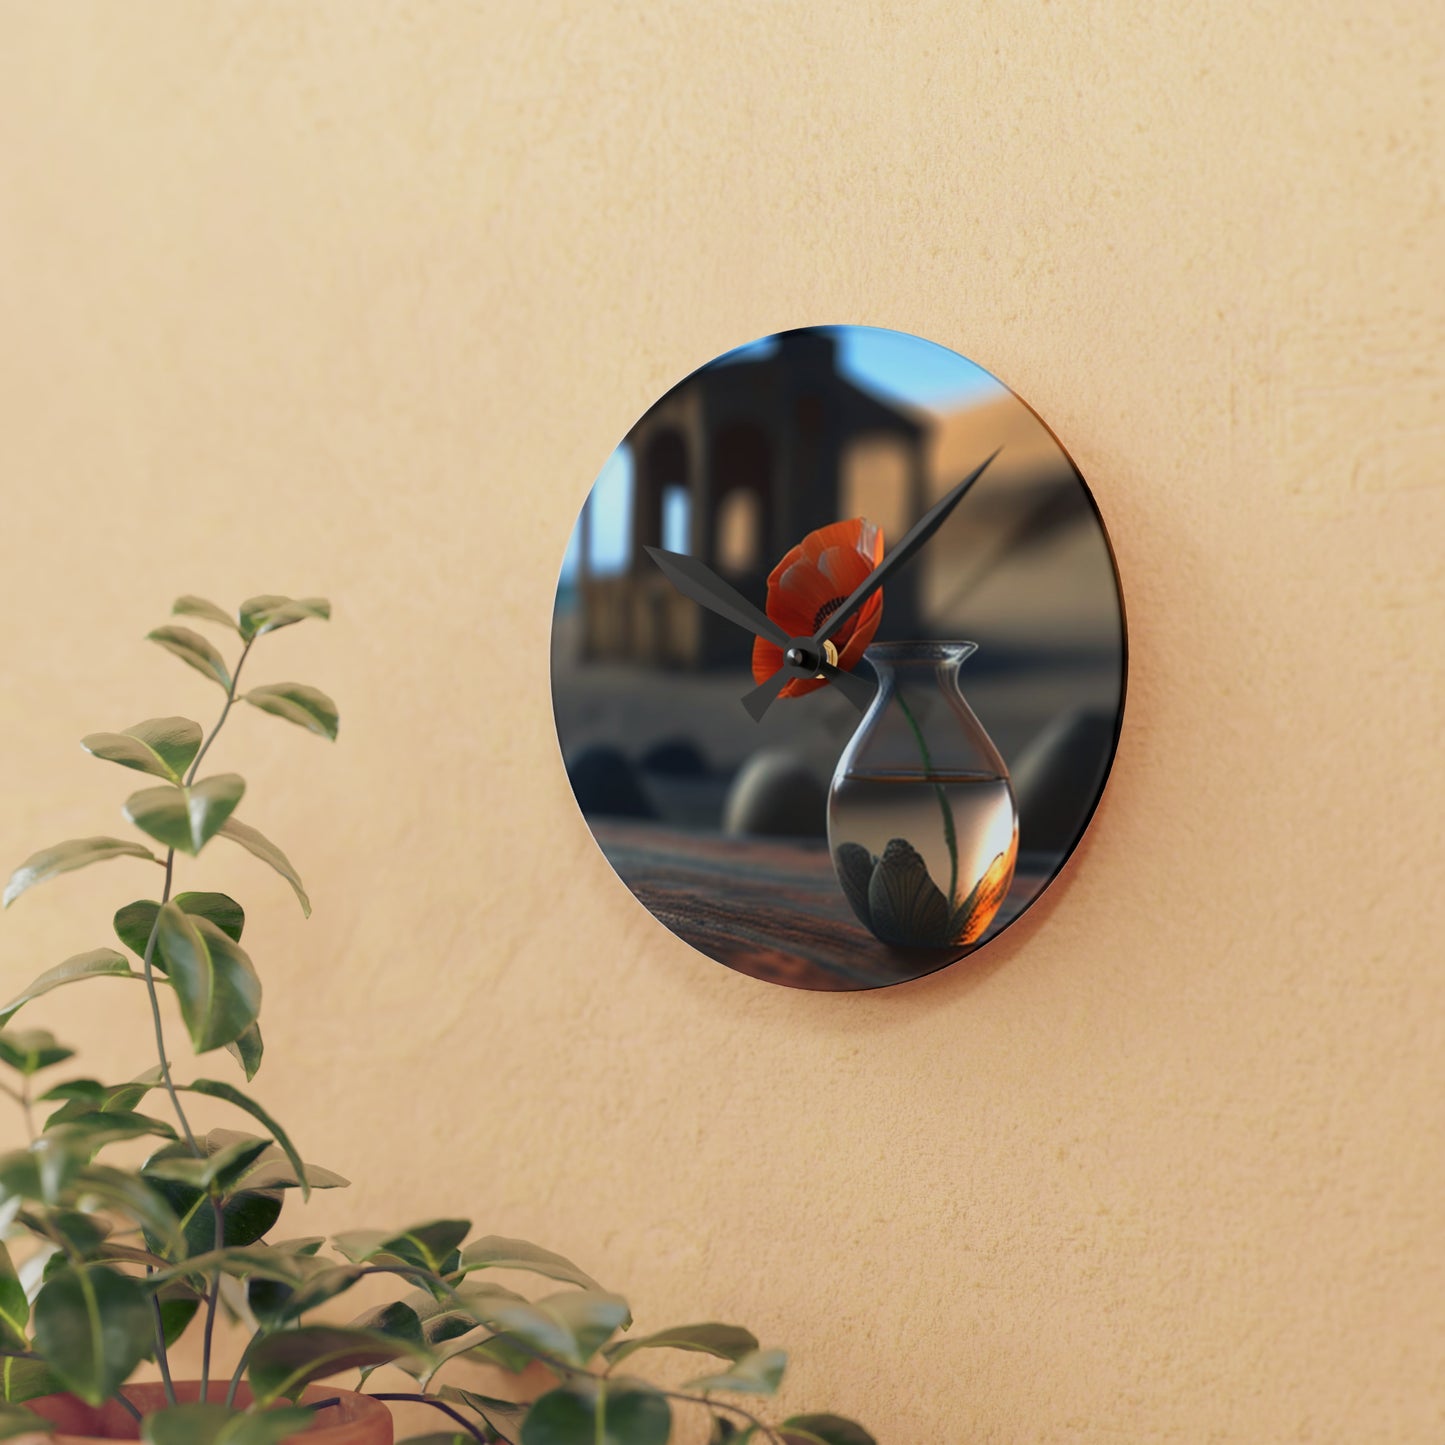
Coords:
922,822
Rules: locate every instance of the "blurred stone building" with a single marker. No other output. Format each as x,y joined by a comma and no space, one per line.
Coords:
750,454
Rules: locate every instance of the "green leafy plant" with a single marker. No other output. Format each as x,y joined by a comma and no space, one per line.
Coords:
116,1263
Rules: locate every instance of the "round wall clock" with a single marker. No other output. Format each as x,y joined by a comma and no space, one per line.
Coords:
838,658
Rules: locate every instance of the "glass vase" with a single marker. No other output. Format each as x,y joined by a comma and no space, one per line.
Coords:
922,822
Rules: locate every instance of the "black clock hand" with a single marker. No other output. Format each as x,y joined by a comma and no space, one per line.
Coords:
922,530
853,687
809,651
707,589
700,583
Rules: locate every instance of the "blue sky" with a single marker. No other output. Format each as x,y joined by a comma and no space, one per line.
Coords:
891,364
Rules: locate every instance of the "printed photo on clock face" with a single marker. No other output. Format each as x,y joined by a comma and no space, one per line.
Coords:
891,796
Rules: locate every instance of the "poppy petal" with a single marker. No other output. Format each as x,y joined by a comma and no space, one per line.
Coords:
803,598
865,625
843,569
856,535
813,579
767,659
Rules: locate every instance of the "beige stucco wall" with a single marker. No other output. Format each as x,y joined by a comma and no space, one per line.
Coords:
355,298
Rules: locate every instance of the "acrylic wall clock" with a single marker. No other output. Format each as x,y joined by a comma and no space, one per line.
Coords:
838,658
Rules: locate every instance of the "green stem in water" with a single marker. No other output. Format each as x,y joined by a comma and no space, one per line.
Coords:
950,835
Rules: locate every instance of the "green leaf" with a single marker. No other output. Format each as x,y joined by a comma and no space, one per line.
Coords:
504,1351
179,1304
245,1216
443,1321
263,848
134,922
83,1233
31,1050
98,963
758,1373
216,1424
251,1261
570,1326
22,1380
424,1245
186,818
269,1427
65,858
276,1302
247,1049
222,1168
164,814
503,1417
268,612
307,707
88,1132
440,1437
194,650
397,1321
214,980
189,606
93,1327
15,1421
727,1342
497,1252
83,1095
307,1244
597,1412
39,1173
131,1195
14,1307
162,746
214,1089
723,1432
271,1169
284,1363
186,1425
823,1430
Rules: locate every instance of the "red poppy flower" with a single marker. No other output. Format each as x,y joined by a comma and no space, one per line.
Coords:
811,582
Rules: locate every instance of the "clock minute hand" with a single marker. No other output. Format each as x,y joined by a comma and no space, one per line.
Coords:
707,589
700,583
921,531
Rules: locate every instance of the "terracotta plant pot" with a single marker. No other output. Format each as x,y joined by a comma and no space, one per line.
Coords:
353,1420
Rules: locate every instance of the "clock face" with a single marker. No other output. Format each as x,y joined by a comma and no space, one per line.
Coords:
884,781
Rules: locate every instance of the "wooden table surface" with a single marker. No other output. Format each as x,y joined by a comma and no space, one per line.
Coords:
769,907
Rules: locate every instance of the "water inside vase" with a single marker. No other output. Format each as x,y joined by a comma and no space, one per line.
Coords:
895,832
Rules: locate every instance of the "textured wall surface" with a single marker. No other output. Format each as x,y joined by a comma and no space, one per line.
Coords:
355,298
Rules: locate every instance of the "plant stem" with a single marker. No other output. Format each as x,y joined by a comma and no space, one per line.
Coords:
710,1404
456,1415
220,721
129,1408
161,1357
156,1010
22,1097
239,1371
949,835
212,1295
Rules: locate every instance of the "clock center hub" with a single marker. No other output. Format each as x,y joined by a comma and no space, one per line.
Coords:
804,659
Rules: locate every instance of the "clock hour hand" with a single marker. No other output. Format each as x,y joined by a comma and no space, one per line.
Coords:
853,687
700,583
921,531
707,589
